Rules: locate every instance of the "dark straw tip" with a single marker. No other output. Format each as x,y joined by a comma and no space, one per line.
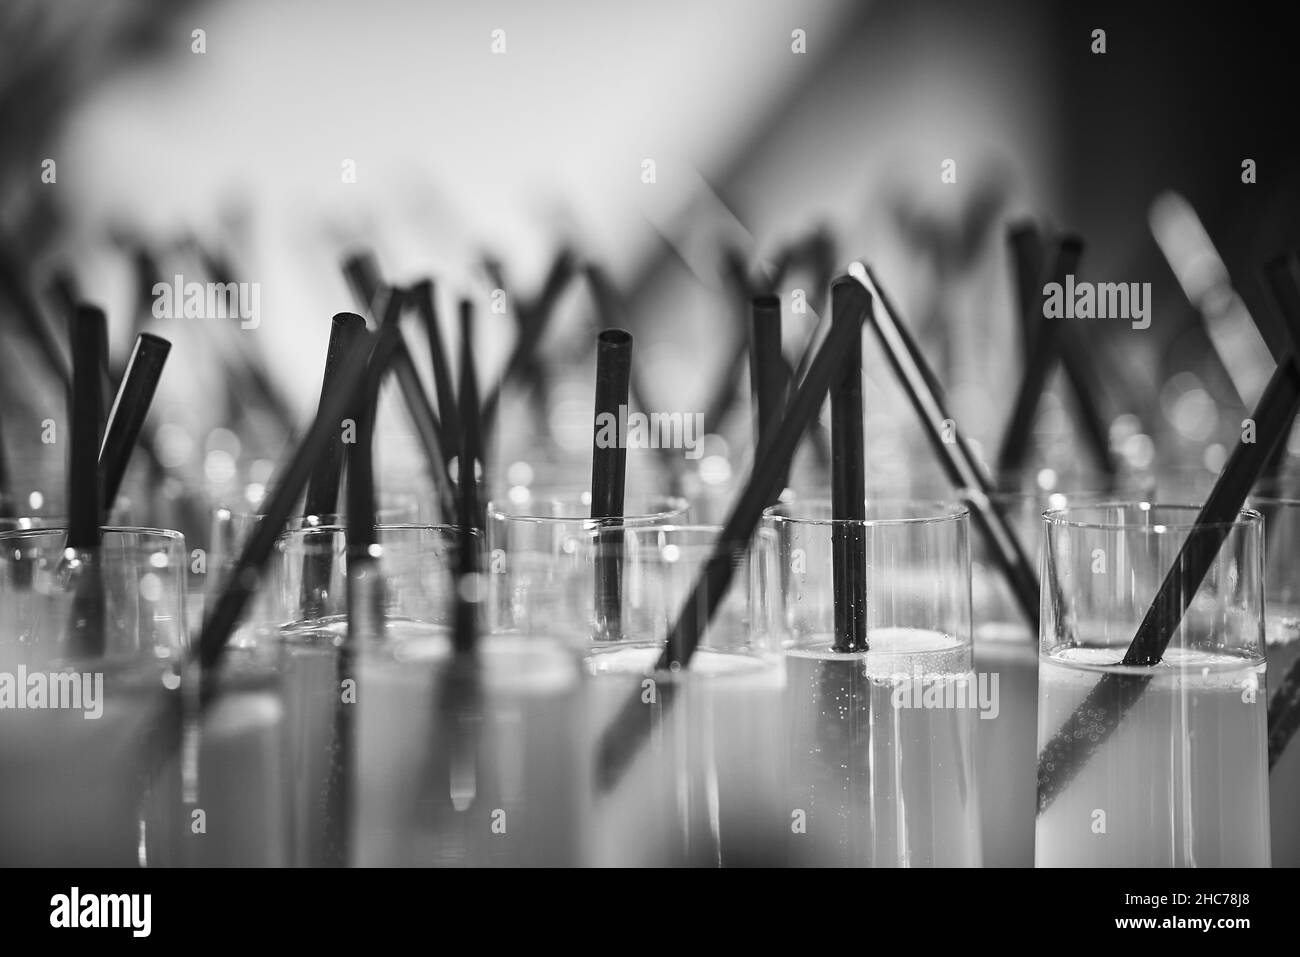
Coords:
148,340
619,338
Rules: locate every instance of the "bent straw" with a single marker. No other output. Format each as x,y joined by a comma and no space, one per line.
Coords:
85,485
848,485
618,744
130,409
918,380
609,473
286,486
1043,353
1101,711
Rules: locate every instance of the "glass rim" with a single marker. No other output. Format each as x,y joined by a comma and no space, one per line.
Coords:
14,534
676,505
1273,501
947,511
667,527
333,529
1247,517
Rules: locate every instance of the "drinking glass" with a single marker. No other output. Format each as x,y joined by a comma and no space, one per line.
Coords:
535,539
684,763
91,643
1006,644
881,748
1282,648
1151,765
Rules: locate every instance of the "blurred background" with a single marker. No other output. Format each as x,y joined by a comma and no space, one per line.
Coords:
263,143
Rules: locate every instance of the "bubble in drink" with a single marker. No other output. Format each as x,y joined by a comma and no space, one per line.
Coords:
883,785
1178,782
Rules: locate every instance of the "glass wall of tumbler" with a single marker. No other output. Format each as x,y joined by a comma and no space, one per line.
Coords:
1152,694
879,741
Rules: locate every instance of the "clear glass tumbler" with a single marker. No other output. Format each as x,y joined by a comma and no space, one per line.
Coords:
1282,647
1151,765
881,742
91,645
685,766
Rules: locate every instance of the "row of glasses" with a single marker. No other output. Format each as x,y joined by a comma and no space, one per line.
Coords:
562,742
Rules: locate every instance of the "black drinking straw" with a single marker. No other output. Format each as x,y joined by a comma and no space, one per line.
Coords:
618,744
611,311
1284,714
609,474
769,376
1101,711
848,483
323,485
286,487
1027,259
465,632
444,387
85,485
432,434
1026,248
533,319
363,277
130,408
362,539
362,534
361,271
105,377
1043,353
918,380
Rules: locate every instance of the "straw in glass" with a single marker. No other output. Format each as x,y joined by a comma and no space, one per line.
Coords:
85,485
926,396
609,474
621,739
1101,711
848,482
